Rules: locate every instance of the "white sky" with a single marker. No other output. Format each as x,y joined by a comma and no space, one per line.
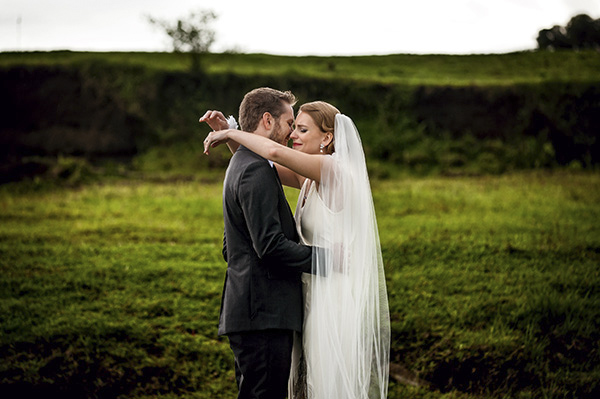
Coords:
308,27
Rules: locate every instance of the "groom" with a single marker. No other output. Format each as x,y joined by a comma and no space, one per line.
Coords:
262,297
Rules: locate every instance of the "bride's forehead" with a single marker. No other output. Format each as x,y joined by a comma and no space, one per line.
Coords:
303,118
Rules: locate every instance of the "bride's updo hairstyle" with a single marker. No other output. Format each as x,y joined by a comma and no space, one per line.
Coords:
323,114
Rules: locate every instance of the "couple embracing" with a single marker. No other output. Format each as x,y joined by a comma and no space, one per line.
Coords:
304,303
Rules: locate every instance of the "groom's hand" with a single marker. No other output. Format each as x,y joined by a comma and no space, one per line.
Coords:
323,254
215,119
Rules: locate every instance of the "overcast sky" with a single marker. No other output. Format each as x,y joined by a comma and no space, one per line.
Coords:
307,27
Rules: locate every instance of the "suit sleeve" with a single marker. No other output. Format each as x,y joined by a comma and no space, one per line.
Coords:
224,251
258,194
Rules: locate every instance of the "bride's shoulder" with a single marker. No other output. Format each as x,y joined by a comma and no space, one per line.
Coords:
332,163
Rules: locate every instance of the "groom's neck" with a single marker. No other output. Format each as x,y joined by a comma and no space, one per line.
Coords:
262,132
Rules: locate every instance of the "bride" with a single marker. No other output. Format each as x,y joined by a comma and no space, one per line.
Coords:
343,351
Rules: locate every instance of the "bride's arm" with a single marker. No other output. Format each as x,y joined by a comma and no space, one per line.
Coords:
288,177
306,165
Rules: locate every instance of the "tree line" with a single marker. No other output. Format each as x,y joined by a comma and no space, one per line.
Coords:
582,32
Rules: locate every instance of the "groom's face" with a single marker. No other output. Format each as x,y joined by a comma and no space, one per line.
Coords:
283,126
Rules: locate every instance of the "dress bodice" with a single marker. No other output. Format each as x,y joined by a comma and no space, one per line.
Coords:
309,212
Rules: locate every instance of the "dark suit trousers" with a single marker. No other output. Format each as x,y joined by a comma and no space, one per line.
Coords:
262,363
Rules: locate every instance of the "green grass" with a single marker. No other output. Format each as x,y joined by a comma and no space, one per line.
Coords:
496,280
457,70
112,289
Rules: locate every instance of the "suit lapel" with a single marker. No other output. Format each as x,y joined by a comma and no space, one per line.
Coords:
283,204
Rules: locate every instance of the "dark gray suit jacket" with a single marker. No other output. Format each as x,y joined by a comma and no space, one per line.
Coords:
262,288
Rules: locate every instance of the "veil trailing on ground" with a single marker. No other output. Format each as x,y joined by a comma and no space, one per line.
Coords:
349,330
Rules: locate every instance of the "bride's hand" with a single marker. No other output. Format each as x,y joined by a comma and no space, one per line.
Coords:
215,138
215,119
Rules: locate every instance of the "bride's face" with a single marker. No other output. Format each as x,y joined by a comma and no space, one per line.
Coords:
307,136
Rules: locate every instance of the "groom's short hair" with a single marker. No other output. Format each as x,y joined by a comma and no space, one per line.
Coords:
259,101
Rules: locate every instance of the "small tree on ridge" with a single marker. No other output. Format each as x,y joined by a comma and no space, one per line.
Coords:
192,34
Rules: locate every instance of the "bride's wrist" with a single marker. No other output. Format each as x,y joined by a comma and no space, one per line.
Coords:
229,134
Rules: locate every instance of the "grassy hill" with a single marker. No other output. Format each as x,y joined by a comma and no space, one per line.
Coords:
427,113
455,70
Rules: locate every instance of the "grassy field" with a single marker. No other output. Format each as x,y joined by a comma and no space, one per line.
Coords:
112,289
456,70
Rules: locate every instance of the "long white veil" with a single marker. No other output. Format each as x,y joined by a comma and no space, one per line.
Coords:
349,329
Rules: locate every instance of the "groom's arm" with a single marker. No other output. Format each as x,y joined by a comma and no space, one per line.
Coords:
258,194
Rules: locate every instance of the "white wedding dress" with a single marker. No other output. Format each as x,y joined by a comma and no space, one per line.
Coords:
343,351
305,381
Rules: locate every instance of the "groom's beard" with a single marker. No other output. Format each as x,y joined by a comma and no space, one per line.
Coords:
276,134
